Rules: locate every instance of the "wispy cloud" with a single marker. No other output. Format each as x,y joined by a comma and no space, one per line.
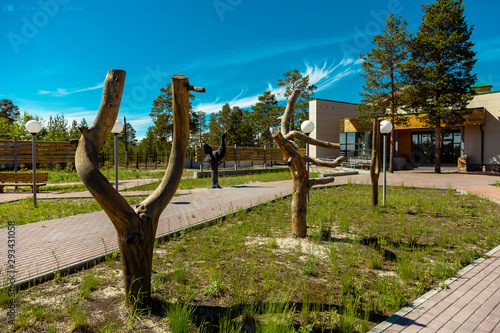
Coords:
59,92
259,51
324,76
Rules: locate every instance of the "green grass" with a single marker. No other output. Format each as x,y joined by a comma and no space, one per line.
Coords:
67,176
23,212
357,267
90,282
180,317
224,181
56,177
63,188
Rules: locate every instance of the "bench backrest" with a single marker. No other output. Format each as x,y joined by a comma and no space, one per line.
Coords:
26,177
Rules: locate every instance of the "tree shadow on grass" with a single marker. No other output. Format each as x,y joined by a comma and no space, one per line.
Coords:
247,318
374,243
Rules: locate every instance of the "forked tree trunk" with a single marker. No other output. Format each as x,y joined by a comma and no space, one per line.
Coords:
135,227
297,164
300,184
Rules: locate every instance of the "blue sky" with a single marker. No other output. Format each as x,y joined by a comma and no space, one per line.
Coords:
55,54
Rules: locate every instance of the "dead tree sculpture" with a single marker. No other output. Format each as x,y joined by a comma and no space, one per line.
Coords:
214,158
297,165
135,227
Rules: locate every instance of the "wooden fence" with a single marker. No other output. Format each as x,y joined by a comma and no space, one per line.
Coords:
261,154
16,152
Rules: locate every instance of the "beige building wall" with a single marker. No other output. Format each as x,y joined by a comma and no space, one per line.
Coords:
491,130
326,115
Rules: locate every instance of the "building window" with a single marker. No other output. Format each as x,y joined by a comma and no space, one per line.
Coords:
423,147
356,144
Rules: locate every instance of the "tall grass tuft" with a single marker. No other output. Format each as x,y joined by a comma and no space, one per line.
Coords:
180,317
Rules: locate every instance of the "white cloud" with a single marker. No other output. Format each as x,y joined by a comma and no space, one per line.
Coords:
64,92
259,51
323,76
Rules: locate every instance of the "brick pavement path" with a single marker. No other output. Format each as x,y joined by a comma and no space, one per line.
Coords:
471,304
45,246
15,196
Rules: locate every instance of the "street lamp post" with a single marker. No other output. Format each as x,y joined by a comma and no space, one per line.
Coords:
385,128
307,127
117,129
33,127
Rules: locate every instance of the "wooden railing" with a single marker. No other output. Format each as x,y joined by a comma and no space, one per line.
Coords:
250,154
46,152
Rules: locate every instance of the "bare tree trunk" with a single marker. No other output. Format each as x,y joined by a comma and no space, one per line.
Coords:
135,227
375,162
392,152
437,152
299,206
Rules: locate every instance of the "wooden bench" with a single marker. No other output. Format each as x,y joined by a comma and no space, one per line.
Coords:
24,179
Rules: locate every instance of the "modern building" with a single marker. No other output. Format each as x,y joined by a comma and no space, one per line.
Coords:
478,137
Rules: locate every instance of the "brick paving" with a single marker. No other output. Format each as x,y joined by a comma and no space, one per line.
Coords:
471,304
46,246
15,196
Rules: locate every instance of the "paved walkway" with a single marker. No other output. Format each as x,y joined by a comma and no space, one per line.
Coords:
470,304
15,196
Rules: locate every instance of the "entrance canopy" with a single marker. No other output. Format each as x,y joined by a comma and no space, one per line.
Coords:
471,117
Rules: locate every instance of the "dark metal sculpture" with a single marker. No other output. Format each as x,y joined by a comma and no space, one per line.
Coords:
215,158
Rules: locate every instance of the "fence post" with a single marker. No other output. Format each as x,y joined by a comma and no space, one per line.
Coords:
146,166
265,162
235,157
15,153
137,161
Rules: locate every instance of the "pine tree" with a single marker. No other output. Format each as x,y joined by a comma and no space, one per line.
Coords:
264,116
131,139
74,131
385,73
293,80
214,128
8,110
57,129
161,114
441,65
